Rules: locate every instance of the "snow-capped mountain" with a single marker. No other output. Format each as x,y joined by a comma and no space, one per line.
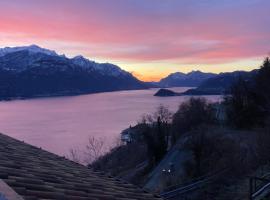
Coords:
83,62
30,54
34,71
179,79
31,49
104,68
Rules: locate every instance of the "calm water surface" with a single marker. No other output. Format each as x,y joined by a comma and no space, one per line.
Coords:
61,123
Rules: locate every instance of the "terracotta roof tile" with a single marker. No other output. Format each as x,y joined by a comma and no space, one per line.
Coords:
36,174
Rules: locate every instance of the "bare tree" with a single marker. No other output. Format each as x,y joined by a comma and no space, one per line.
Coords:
146,119
94,149
163,113
75,155
155,130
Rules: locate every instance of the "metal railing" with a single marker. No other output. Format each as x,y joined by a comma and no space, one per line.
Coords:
258,186
182,191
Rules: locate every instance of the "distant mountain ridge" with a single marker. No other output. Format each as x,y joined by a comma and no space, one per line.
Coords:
179,79
217,85
221,84
32,71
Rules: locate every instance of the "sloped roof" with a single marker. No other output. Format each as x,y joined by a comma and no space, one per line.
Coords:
37,174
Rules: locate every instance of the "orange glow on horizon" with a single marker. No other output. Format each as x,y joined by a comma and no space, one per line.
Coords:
150,39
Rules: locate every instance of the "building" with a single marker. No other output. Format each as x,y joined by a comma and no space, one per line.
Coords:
30,173
126,135
132,134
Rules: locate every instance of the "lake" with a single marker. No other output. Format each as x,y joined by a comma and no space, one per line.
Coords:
60,123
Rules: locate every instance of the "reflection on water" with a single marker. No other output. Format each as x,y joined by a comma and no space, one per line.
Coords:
58,124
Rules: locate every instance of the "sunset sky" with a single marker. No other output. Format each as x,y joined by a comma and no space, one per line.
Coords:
150,38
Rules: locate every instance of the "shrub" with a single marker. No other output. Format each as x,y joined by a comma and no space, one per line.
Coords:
214,150
241,107
121,158
249,103
191,114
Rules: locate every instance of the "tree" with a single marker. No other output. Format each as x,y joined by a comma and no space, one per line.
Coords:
156,133
95,148
191,114
75,155
164,114
241,106
249,103
162,139
262,87
214,150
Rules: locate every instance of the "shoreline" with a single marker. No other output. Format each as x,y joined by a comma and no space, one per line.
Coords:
8,99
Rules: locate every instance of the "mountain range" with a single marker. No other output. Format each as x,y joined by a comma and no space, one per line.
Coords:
221,83
32,71
217,85
179,79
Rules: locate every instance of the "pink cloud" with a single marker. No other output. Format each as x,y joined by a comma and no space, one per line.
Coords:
145,31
